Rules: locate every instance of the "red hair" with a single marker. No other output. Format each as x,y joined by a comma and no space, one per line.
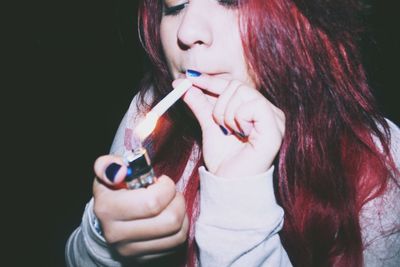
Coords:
303,56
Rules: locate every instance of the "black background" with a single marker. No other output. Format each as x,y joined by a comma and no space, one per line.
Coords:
71,70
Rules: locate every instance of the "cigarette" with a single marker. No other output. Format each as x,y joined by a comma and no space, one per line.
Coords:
145,127
171,98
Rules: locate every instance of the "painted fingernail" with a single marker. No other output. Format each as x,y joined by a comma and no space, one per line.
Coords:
192,73
224,130
112,170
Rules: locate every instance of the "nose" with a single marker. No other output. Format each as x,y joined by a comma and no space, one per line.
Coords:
195,28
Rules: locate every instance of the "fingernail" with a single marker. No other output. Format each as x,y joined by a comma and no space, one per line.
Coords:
192,73
112,170
224,130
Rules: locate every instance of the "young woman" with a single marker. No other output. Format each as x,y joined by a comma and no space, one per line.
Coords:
276,156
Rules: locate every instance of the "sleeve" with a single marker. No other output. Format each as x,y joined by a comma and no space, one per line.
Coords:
380,218
86,247
117,147
239,222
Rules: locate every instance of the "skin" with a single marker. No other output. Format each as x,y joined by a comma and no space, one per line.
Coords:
152,226
203,36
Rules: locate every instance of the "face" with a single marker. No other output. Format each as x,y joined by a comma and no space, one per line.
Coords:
203,35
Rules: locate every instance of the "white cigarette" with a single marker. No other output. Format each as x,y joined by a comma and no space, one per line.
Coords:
146,126
171,98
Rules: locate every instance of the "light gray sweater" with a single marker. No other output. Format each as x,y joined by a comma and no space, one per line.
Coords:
240,220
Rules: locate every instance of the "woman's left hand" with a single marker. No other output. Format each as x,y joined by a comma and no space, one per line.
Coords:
255,126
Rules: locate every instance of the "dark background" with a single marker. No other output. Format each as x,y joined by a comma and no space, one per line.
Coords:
72,69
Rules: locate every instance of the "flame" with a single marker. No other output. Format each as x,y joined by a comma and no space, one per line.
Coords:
146,126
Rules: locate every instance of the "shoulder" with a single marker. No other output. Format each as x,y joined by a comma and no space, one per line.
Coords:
394,141
137,108
140,104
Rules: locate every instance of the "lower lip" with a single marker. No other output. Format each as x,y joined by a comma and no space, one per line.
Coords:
222,75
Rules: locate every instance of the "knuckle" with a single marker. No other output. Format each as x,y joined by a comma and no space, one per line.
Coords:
173,221
109,234
234,84
128,250
181,204
218,116
181,236
174,216
123,252
180,199
154,206
241,88
168,182
261,101
101,211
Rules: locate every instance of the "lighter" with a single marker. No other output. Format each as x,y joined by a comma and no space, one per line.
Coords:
140,172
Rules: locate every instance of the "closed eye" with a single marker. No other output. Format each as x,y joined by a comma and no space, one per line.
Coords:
229,3
174,10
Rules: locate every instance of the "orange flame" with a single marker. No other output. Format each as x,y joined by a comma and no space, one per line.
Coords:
146,126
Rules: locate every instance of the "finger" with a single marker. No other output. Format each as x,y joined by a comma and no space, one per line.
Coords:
280,118
212,84
110,169
133,204
259,115
241,96
223,100
156,245
201,107
167,223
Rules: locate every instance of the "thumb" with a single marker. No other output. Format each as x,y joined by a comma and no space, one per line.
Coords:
110,169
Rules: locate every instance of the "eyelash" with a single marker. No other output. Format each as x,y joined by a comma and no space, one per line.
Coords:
229,3
175,10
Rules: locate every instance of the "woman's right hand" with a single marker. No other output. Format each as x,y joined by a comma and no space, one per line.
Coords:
238,107
141,223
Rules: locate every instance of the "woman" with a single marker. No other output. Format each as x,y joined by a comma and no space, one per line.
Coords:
277,155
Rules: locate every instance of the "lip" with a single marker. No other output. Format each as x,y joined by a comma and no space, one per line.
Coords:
222,75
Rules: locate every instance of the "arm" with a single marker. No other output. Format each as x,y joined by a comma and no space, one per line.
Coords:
239,219
138,226
239,222
85,247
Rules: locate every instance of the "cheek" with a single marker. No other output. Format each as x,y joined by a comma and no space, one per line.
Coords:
168,42
235,51
242,68
165,42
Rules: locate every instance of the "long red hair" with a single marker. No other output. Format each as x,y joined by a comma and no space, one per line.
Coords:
303,55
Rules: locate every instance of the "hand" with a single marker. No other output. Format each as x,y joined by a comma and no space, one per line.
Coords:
138,222
241,109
